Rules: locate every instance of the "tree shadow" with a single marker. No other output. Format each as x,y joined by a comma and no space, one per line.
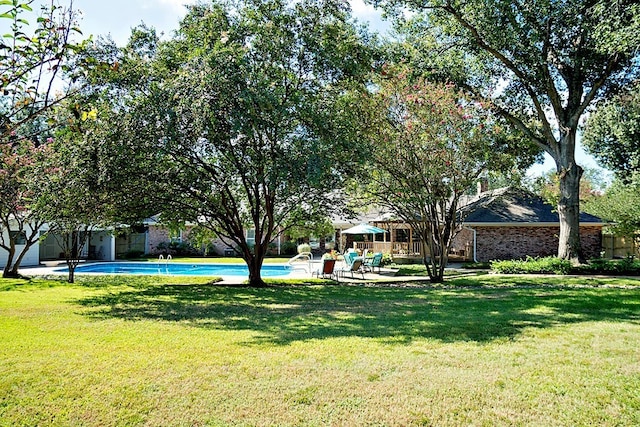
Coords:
397,315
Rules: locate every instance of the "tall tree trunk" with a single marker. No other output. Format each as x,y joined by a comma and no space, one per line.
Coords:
569,174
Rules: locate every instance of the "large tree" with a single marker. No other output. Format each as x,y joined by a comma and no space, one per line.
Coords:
33,57
73,182
19,223
429,145
542,62
236,118
619,205
612,133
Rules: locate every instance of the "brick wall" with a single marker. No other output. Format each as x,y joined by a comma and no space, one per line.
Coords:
520,242
463,244
155,236
591,238
159,234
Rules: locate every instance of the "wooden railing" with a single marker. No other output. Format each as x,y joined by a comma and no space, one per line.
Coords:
404,249
395,248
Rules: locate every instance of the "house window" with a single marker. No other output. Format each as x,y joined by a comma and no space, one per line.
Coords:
251,236
175,235
19,237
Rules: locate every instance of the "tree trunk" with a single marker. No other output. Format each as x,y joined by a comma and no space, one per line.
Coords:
11,268
255,279
435,266
8,271
254,263
16,265
431,240
569,245
72,272
569,174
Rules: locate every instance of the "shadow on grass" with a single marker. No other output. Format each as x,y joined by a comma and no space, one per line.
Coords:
462,312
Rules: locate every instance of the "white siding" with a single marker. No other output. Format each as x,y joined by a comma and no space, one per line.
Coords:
31,259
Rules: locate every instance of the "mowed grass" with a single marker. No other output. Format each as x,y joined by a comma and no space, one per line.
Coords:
162,351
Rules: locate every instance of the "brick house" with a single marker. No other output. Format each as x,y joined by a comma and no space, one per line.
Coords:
506,223
513,224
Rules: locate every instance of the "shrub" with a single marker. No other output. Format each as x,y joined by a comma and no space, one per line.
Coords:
133,254
304,247
547,265
628,266
476,265
387,259
272,249
179,248
552,265
288,248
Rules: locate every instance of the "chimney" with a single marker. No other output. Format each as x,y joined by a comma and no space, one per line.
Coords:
483,185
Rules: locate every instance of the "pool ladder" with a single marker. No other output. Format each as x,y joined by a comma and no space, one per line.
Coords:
161,258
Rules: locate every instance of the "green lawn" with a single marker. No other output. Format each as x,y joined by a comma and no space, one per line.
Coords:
177,351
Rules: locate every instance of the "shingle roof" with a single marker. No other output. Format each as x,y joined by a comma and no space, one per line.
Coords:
509,205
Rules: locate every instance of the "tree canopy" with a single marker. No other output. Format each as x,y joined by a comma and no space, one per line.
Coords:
72,184
619,205
34,56
236,118
612,133
429,143
542,63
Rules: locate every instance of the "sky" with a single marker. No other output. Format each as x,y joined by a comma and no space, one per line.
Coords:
117,17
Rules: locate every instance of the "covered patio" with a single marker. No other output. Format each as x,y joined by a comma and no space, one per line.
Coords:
400,241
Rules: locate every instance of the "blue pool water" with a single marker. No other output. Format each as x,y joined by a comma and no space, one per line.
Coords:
178,269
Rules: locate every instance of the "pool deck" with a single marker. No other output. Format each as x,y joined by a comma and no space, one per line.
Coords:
300,272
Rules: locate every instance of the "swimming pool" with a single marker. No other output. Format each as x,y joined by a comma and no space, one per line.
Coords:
179,269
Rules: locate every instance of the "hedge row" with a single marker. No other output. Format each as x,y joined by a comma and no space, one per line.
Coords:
553,265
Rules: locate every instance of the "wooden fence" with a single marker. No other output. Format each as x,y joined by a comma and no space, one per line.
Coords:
619,246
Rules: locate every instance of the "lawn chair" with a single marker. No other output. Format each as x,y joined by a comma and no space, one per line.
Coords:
370,264
356,267
349,257
327,270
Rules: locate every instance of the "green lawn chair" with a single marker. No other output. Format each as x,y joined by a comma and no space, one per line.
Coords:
356,267
370,264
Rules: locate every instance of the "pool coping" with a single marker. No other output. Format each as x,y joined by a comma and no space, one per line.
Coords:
50,270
